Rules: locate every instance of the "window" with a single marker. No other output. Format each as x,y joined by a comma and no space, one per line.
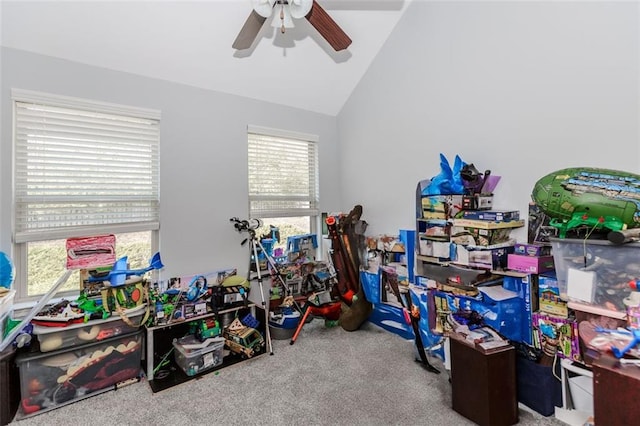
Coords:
283,181
81,168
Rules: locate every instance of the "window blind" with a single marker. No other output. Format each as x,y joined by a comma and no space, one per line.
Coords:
283,176
81,171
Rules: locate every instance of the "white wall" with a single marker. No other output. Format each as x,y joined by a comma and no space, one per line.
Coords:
203,149
520,88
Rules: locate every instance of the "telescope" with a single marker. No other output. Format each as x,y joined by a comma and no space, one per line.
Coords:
246,225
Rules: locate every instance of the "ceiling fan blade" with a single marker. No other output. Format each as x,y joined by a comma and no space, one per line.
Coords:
327,27
249,31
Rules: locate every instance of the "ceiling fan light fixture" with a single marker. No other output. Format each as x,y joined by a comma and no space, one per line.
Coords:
263,7
282,18
300,8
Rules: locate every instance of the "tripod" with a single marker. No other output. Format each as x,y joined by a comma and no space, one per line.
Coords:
250,227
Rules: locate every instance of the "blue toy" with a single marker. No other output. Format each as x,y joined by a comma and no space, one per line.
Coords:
634,333
7,271
118,274
449,180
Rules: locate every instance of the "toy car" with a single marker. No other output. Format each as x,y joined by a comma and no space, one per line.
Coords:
246,341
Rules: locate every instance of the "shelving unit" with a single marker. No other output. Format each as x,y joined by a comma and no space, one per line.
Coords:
456,257
159,344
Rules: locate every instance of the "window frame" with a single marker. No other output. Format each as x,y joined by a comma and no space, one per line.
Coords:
19,245
313,212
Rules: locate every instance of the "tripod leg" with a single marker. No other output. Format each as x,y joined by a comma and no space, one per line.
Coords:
273,265
265,307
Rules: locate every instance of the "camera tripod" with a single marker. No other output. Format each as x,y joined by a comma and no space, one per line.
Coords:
250,227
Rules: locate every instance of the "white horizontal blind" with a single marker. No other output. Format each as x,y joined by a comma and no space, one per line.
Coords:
283,176
81,171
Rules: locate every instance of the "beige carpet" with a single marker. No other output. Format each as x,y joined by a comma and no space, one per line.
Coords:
328,377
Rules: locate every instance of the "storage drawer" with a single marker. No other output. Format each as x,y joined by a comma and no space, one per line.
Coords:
56,338
53,379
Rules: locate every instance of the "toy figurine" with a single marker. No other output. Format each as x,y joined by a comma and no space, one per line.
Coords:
631,333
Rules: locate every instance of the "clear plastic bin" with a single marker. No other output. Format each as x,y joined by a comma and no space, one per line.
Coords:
50,380
6,302
611,266
54,338
195,357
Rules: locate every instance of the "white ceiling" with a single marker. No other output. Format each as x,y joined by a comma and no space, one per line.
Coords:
190,42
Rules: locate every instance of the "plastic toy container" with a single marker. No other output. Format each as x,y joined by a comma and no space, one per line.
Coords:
55,338
596,272
53,379
194,356
6,302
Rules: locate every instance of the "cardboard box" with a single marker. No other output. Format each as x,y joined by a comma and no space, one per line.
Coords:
530,264
434,229
532,249
556,331
484,258
441,206
478,236
477,202
437,249
492,215
549,297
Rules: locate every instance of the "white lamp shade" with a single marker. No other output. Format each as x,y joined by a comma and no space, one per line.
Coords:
300,8
263,7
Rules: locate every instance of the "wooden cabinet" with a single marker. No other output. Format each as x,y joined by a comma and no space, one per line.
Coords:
616,389
484,385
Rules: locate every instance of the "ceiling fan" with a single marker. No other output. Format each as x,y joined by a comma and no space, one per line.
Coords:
287,9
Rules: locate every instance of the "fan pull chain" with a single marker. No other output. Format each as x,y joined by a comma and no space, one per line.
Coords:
282,18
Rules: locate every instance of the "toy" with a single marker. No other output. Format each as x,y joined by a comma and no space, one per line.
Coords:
91,308
242,340
206,328
118,274
59,314
448,181
630,334
598,198
81,376
7,271
197,288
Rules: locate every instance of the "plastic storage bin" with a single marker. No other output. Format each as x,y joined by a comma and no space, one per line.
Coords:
53,379
6,302
9,385
55,338
195,357
604,271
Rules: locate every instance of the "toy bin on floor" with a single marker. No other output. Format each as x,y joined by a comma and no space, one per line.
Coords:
194,356
55,338
52,379
9,385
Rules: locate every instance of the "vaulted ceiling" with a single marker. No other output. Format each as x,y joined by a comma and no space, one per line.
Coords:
190,42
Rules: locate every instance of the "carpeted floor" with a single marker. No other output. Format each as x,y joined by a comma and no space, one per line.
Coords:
328,377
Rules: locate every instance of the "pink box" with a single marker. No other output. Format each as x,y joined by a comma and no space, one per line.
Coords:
530,264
